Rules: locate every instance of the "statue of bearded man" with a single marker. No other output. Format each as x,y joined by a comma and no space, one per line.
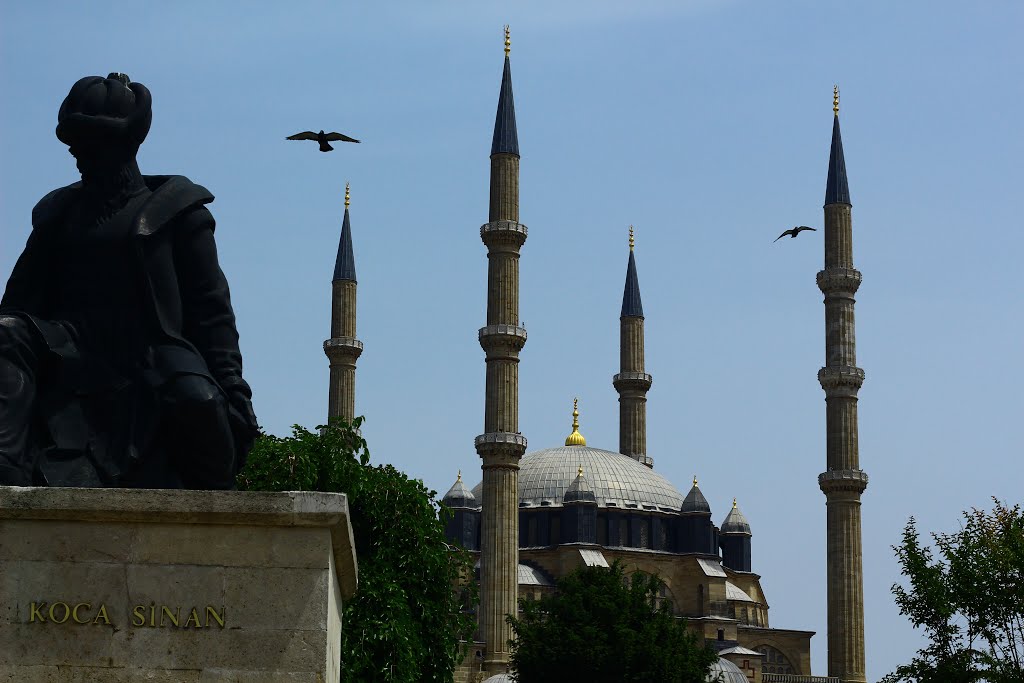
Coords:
119,360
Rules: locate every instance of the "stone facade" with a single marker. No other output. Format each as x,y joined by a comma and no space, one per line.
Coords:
176,586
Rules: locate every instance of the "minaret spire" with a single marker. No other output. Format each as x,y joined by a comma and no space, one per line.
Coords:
843,481
343,348
632,382
501,446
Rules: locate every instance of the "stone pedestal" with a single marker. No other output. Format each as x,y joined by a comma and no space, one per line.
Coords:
130,585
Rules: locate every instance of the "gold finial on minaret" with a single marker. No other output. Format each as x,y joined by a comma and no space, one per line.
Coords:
835,99
733,503
575,439
348,196
508,41
695,480
459,478
631,241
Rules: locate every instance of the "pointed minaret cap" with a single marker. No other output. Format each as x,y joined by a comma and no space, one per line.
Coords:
579,490
459,496
695,500
345,264
837,190
735,522
506,140
575,439
632,307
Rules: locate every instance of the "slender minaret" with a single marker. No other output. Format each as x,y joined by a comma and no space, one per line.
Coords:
632,382
343,348
843,481
501,445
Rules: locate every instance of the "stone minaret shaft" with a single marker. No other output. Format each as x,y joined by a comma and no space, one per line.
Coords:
501,445
343,348
843,481
632,382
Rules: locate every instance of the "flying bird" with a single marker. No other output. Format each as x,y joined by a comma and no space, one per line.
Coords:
793,232
323,138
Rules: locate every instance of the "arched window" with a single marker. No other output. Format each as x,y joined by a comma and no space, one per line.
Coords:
774,661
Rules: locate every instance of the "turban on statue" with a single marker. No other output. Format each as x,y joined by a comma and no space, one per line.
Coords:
110,110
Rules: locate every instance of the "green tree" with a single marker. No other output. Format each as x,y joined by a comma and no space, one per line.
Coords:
601,625
407,621
969,601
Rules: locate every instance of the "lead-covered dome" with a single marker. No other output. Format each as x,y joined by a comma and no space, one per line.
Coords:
617,480
724,671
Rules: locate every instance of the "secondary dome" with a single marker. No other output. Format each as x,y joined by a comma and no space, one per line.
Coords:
617,480
724,671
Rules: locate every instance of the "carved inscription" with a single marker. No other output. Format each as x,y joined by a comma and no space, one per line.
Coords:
141,616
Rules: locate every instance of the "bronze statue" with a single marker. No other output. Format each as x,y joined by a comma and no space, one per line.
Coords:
119,361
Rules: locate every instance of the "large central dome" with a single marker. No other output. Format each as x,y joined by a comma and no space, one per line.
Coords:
617,480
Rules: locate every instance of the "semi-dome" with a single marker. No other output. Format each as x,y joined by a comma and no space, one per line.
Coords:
617,480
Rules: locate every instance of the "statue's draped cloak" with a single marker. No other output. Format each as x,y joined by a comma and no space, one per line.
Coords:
123,306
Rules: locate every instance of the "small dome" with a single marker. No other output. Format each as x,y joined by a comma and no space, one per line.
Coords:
501,678
735,522
579,490
695,500
724,671
459,496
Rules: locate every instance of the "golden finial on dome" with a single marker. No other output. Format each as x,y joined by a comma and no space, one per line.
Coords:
348,196
579,472
631,241
733,503
459,478
695,480
575,439
835,99
508,41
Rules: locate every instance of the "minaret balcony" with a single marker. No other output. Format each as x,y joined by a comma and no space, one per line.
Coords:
637,381
501,449
503,232
843,480
841,380
839,281
502,337
343,346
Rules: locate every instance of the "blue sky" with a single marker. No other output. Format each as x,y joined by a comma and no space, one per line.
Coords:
706,125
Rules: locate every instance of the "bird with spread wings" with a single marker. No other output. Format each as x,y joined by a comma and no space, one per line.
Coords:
323,138
793,232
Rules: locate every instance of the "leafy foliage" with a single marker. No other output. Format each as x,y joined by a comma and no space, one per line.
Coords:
407,619
970,602
601,625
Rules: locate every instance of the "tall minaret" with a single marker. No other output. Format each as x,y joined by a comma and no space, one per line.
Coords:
343,348
501,445
632,382
843,481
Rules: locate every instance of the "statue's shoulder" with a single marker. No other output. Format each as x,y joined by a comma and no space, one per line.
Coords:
171,196
51,207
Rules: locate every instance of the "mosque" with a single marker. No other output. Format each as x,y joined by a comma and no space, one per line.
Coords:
537,516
